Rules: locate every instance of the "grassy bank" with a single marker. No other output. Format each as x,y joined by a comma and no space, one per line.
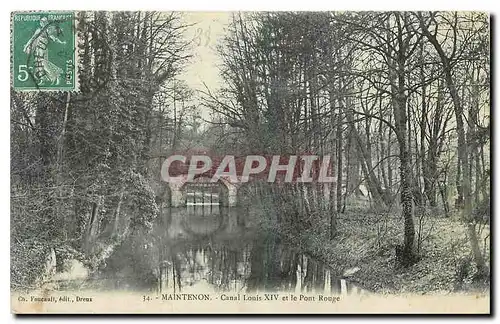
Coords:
367,240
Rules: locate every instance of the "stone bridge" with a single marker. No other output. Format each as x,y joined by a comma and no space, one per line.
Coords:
179,183
175,173
228,197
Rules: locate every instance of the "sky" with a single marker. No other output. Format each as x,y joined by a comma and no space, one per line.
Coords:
207,29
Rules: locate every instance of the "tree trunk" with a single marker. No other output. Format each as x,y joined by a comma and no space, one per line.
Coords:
462,151
463,156
408,257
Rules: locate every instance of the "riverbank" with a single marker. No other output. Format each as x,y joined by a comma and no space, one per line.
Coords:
367,240
44,265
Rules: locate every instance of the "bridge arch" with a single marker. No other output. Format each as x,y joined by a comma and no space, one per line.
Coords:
202,191
179,189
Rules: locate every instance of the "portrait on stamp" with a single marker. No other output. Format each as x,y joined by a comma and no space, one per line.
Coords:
44,51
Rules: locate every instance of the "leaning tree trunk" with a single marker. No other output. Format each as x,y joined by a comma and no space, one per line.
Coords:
466,188
462,149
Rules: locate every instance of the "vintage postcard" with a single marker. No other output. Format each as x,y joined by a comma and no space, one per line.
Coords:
250,162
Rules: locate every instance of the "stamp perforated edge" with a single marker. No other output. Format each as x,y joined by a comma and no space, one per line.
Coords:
76,45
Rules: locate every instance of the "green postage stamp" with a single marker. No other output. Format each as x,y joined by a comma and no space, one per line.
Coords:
44,51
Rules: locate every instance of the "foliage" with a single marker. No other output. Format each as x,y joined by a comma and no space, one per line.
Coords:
79,161
400,100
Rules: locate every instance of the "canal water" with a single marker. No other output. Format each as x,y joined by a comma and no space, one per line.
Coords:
211,248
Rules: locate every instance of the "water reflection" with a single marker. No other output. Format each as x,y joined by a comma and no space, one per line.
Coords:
212,247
